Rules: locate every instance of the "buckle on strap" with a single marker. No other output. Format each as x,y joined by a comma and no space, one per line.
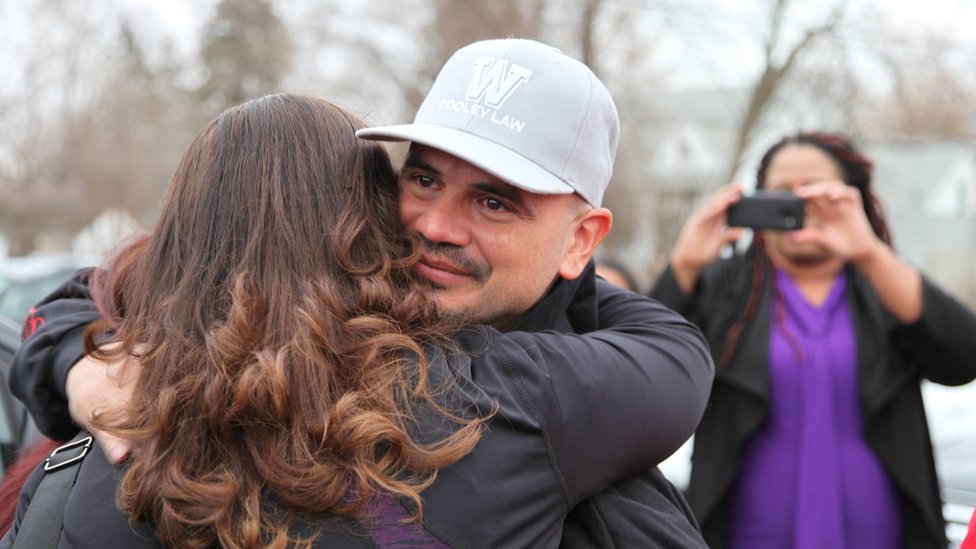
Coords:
68,453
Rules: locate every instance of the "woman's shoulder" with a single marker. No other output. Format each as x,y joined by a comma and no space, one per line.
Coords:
91,517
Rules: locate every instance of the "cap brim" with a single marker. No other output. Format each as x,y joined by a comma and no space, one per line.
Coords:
502,162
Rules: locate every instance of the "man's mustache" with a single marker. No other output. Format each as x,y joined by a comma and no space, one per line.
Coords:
449,253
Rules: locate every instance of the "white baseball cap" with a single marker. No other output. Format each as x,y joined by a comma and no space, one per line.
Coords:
523,112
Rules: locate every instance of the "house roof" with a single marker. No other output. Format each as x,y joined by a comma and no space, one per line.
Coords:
908,171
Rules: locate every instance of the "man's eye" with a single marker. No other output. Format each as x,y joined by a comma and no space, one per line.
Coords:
424,180
495,204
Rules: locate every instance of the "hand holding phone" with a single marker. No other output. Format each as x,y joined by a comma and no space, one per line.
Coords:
770,210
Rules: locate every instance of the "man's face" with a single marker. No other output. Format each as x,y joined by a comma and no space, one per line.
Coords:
492,250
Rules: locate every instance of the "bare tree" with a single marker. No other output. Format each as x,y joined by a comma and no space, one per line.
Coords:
246,50
933,90
618,42
96,127
135,133
56,79
450,26
775,73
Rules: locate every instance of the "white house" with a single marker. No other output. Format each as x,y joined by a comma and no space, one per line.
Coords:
928,188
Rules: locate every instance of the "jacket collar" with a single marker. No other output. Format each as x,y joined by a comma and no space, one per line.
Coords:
570,306
871,327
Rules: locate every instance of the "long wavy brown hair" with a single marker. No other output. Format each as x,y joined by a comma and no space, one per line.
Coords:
281,332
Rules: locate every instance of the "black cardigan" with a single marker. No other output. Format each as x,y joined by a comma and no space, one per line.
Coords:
892,360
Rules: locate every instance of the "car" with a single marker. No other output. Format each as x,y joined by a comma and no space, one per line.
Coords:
17,429
26,280
959,495
952,420
23,282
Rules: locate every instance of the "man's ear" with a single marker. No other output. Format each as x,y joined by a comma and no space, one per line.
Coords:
590,230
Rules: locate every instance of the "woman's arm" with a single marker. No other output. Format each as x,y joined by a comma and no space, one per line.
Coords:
943,337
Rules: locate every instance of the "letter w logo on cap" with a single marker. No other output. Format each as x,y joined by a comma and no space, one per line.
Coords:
494,81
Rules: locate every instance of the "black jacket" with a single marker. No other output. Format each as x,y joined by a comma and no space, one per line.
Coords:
892,360
561,435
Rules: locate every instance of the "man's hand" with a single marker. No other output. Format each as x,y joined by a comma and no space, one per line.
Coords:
94,388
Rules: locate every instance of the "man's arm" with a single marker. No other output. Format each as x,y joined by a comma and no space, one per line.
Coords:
592,306
53,343
615,401
644,510
683,372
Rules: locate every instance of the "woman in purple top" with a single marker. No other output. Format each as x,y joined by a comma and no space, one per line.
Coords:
815,435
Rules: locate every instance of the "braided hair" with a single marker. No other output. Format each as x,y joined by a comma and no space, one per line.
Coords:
856,169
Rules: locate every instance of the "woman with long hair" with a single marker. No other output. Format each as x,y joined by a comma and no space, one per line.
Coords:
815,435
296,386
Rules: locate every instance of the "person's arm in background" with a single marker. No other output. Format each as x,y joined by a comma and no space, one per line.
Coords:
702,238
53,343
844,229
61,388
699,245
939,327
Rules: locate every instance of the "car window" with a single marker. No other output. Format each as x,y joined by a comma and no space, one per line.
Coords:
5,281
12,413
17,299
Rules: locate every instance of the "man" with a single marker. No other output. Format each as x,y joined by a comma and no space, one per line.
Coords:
511,153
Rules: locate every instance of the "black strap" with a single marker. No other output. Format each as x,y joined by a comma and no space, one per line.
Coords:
41,527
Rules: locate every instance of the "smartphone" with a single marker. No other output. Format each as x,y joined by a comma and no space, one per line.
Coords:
771,210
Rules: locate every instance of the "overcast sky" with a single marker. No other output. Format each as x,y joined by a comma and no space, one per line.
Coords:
733,22
705,34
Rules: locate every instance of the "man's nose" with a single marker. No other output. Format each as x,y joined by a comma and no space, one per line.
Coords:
444,223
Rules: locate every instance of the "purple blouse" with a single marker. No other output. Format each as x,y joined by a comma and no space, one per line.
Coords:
808,479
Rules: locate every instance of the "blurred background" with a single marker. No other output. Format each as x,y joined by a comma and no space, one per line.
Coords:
98,98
